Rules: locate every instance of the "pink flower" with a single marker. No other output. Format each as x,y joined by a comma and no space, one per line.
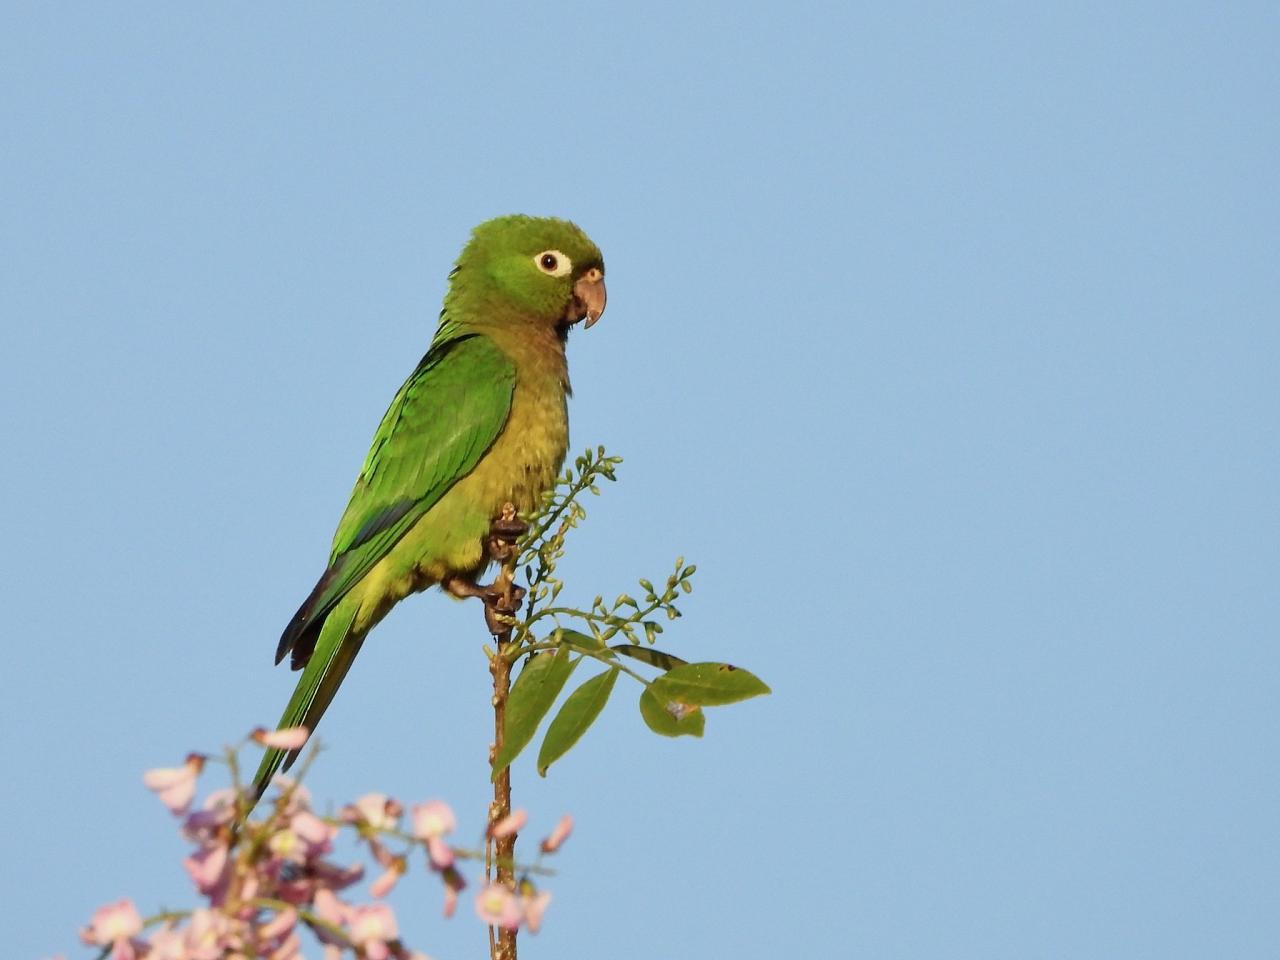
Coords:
320,875
287,738
377,810
299,796
313,831
176,786
306,837
218,810
497,906
533,904
433,819
371,928
509,824
209,869
334,914
167,943
278,936
330,909
210,935
440,853
280,925
114,925
454,883
335,877
558,835
290,949
382,886
249,884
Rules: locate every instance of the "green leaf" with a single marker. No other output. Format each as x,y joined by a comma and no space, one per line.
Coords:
654,658
670,719
580,641
578,713
707,684
532,695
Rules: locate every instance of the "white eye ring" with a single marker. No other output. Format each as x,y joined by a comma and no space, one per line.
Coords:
553,263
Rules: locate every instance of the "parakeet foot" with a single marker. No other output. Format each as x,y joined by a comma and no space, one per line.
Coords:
502,598
505,533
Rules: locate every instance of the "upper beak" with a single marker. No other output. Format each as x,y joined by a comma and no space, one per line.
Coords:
589,292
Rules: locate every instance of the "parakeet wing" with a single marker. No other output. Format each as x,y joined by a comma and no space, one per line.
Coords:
441,422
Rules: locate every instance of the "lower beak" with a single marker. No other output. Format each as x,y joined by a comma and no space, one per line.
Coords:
589,295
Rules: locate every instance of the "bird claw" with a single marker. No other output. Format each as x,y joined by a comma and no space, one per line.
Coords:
502,598
505,533
500,606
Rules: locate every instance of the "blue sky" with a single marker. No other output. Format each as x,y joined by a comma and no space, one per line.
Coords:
944,341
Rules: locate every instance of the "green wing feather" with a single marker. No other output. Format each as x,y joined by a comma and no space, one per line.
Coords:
443,420
439,426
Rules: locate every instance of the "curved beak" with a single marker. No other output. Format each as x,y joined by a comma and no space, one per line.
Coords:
589,295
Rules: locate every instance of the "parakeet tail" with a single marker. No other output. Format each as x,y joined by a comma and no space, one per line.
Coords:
336,647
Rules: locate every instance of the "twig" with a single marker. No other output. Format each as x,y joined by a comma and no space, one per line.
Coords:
500,852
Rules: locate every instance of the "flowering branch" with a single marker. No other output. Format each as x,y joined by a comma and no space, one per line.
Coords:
267,881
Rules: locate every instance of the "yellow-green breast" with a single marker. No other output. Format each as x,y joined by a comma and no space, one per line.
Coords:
520,466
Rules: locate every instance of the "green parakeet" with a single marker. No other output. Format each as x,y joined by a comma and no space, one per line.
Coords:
480,423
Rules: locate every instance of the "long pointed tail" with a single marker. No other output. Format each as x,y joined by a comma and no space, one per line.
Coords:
336,649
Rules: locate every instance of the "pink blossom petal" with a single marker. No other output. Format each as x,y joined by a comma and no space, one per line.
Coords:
209,869
279,925
288,846
330,909
497,906
209,935
335,877
305,838
313,831
290,949
371,928
440,853
299,796
167,943
382,886
381,854
509,824
378,811
558,835
454,883
433,819
113,922
218,809
287,738
534,904
176,786
373,922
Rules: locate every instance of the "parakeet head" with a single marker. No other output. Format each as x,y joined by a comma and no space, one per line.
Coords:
547,269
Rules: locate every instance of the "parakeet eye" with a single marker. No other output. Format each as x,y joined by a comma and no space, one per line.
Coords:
553,263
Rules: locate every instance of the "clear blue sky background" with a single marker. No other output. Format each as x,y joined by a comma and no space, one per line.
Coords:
945,341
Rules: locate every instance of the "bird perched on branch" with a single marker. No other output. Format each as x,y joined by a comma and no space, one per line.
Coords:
480,424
